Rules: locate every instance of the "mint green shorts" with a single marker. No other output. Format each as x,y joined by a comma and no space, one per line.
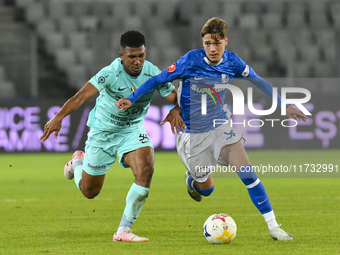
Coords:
103,147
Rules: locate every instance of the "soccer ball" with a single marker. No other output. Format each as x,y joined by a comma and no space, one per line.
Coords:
219,228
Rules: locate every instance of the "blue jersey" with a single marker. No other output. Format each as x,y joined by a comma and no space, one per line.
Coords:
200,76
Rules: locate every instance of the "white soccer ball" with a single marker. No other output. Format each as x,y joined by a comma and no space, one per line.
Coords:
219,228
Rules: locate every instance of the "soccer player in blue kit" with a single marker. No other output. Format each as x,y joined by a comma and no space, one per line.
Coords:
202,144
114,132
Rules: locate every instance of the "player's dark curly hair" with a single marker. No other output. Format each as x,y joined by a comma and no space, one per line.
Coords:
215,26
133,39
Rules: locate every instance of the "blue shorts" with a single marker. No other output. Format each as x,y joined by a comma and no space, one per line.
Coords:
102,148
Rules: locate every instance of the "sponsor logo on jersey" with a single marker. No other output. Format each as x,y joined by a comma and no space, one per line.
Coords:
143,100
200,90
171,68
209,91
245,71
121,89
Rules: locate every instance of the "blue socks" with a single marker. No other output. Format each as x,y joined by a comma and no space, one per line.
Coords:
203,192
135,200
256,190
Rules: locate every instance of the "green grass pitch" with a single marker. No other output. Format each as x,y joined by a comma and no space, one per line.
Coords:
43,213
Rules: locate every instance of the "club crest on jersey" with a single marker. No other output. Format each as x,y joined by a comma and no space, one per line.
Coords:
225,78
246,71
133,89
171,68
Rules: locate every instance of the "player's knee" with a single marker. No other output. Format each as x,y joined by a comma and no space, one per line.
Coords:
91,193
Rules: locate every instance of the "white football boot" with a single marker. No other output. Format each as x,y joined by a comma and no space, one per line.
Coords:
278,233
68,169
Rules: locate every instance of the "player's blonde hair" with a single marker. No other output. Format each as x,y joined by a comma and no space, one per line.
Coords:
216,27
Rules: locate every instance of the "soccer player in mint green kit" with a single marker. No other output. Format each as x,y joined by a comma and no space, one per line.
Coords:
114,132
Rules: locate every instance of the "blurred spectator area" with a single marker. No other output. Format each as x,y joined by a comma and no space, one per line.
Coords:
76,38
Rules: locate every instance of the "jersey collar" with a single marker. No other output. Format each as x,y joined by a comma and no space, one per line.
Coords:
211,63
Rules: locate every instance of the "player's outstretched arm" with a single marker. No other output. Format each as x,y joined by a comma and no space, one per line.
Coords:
295,114
174,116
54,124
175,120
267,88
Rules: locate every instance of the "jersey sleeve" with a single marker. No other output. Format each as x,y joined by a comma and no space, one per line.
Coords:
166,88
103,78
174,71
245,71
242,69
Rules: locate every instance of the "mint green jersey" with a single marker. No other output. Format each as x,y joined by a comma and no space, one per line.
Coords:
114,83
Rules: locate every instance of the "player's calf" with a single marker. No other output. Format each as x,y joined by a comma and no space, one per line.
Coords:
194,191
256,189
143,175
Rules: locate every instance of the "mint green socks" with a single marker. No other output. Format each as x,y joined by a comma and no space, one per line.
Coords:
78,171
135,200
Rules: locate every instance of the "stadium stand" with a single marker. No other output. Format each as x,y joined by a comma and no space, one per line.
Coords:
6,87
79,37
14,50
